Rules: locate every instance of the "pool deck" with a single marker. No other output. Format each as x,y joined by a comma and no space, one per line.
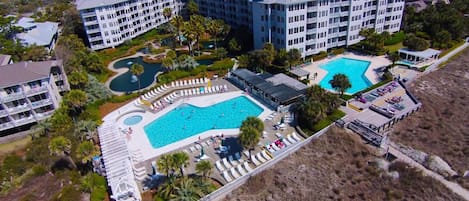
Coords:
376,62
138,141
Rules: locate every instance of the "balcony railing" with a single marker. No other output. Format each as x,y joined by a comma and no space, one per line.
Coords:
36,90
20,108
25,120
41,103
3,113
13,96
44,115
7,125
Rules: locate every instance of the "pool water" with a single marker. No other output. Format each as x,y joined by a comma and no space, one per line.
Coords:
130,121
187,120
354,69
122,83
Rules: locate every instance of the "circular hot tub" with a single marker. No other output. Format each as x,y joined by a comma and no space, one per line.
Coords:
132,120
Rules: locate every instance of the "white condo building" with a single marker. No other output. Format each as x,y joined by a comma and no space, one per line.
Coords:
108,23
308,25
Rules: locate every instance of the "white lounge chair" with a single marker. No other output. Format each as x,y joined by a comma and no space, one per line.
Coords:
227,177
290,139
246,153
172,84
255,161
260,158
241,170
247,167
265,155
286,142
232,161
234,173
296,137
192,149
219,166
226,163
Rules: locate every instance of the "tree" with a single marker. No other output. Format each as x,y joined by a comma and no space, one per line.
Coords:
178,23
204,168
78,79
415,43
168,63
260,59
195,28
442,39
330,101
243,61
310,113
165,163
85,129
167,12
217,28
294,56
35,53
180,160
253,122
171,54
137,69
185,190
270,50
192,7
220,53
61,146
75,99
394,57
233,46
86,151
248,138
340,82
42,127
60,120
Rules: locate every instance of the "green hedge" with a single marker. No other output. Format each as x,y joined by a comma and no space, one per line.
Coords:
221,65
173,75
337,114
320,56
338,51
395,38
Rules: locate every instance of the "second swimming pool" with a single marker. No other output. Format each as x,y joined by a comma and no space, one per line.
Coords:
187,120
354,69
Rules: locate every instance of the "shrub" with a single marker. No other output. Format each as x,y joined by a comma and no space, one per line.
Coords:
221,65
199,69
157,50
395,38
320,56
39,170
172,75
68,193
338,51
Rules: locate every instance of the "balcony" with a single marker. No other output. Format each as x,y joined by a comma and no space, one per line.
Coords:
96,38
13,96
25,120
88,14
37,90
3,113
41,103
20,108
95,30
7,125
90,22
44,115
311,20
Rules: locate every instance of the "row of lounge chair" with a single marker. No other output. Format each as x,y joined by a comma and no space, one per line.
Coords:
227,163
190,82
283,142
236,172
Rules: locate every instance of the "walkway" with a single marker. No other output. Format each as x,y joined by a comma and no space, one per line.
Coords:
456,188
435,65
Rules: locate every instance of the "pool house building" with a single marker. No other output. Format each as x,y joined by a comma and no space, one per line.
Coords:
279,91
416,57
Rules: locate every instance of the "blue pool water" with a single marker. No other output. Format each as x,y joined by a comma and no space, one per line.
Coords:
187,120
130,121
353,68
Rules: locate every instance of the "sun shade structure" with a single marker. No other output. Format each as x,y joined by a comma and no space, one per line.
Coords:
117,163
300,73
279,91
419,56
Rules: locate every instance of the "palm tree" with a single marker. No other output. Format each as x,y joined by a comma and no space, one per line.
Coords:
165,163
167,12
75,99
42,127
340,82
190,34
248,138
78,79
253,122
196,27
394,57
311,112
168,63
185,190
204,168
293,56
137,69
178,23
192,7
85,151
61,146
181,160
88,127
216,28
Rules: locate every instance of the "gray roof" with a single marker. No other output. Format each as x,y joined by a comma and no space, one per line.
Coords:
4,59
299,72
423,54
85,4
285,79
283,93
39,33
22,72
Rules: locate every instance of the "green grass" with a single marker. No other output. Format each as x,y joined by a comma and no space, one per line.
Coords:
452,48
337,114
394,48
15,145
395,38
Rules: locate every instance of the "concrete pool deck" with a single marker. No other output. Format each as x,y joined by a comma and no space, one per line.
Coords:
138,141
375,63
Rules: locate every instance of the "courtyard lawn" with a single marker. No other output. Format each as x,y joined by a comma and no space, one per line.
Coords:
14,146
394,48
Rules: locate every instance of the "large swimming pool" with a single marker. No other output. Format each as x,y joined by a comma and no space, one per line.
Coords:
353,68
187,120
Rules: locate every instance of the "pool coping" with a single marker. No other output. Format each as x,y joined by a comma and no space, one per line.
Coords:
139,142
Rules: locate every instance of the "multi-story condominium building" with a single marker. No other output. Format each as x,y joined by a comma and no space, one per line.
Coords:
109,23
29,92
317,25
236,13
